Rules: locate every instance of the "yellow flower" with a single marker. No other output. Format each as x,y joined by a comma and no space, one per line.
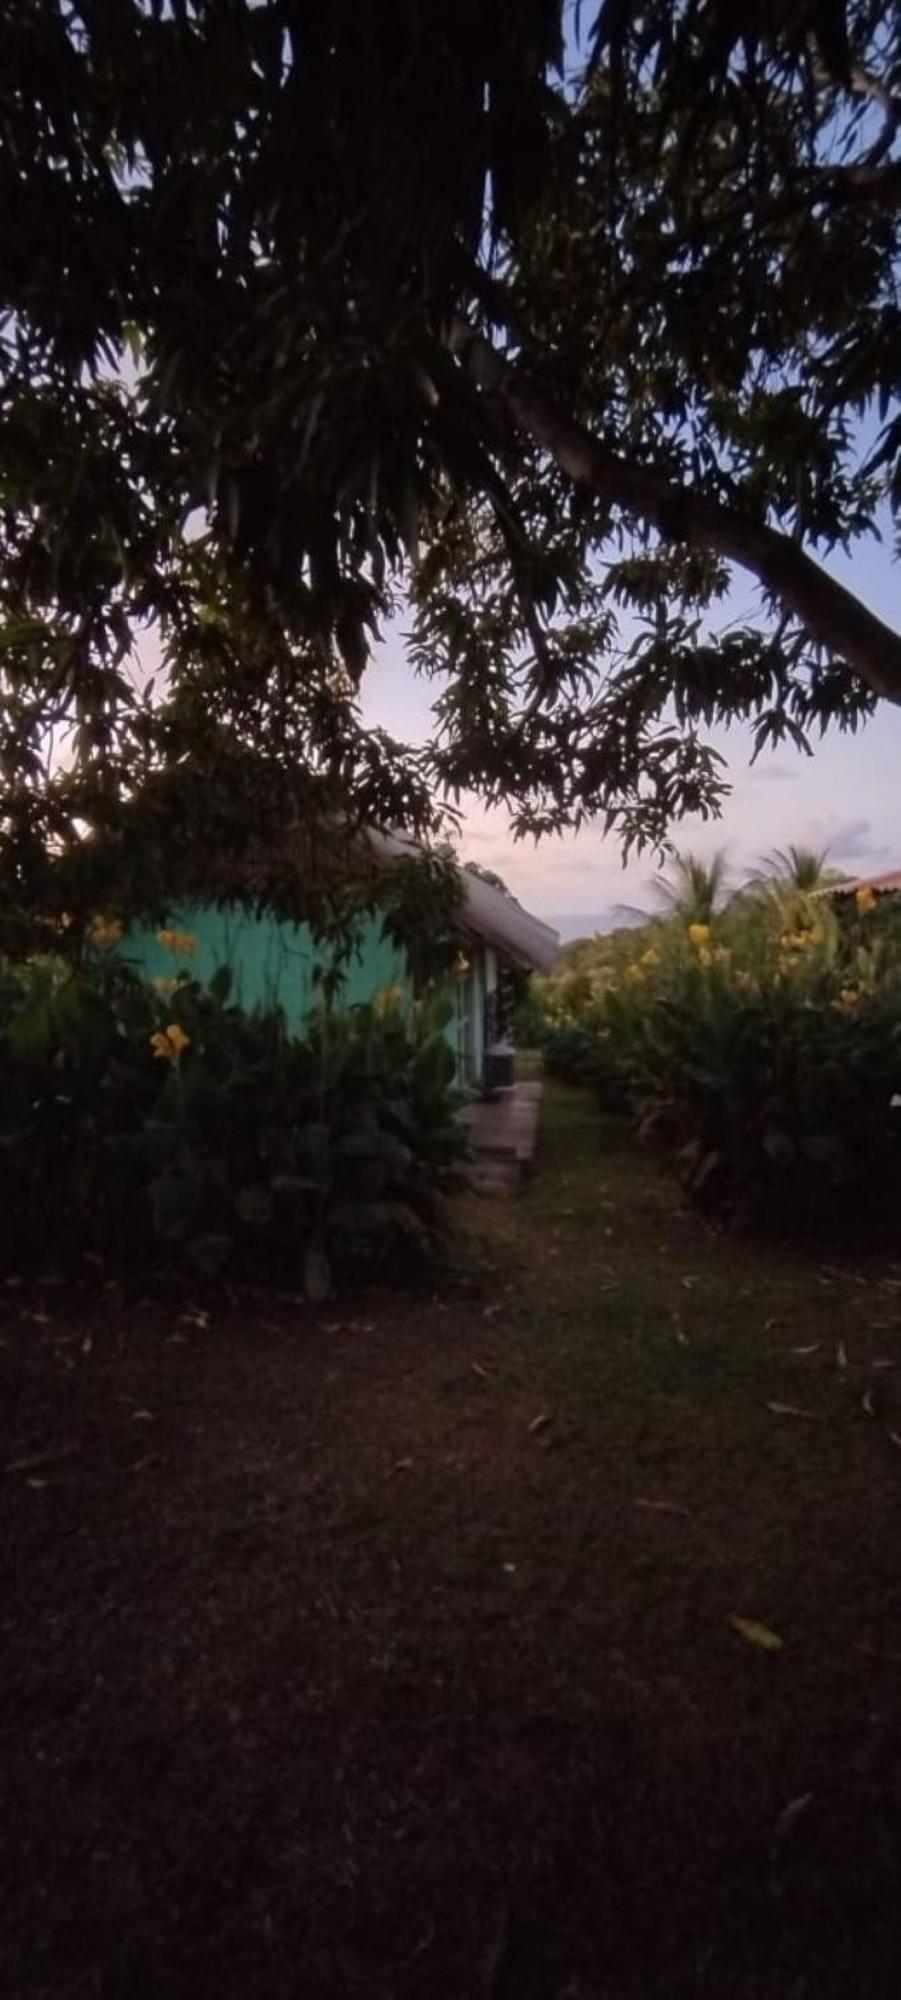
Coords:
180,943
848,999
164,985
651,957
461,964
635,971
388,997
705,955
169,1043
744,980
699,934
865,898
105,930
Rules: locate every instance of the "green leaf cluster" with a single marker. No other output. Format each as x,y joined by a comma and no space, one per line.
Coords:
762,1054
149,1129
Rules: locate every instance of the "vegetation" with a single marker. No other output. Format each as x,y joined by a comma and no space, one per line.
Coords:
149,1127
762,1049
552,359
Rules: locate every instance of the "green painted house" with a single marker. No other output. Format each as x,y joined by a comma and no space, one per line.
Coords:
275,963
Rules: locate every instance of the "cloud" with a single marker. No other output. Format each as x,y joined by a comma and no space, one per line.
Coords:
850,840
569,864
774,774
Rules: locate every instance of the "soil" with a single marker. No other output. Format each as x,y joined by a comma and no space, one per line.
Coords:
340,1659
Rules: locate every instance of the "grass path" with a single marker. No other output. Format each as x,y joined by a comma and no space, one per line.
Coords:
335,1642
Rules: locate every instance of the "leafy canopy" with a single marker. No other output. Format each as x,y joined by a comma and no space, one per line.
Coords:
305,308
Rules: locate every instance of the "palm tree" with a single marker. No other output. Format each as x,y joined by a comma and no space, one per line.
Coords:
796,871
693,890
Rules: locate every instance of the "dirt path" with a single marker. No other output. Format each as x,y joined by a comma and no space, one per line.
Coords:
330,1639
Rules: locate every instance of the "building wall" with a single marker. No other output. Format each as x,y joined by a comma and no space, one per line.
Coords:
273,964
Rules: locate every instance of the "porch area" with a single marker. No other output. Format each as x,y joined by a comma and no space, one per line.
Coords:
502,1131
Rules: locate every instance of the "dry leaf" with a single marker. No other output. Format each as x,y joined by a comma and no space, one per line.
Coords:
789,1817
841,1356
663,1507
813,1348
39,1458
756,1634
883,1364
540,1423
485,1374
791,1410
895,1439
866,1402
142,1416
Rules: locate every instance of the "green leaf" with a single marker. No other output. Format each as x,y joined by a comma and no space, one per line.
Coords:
254,1205
376,1218
313,1150
208,1254
317,1275
220,985
384,1147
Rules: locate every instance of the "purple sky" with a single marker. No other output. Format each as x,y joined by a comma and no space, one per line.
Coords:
846,796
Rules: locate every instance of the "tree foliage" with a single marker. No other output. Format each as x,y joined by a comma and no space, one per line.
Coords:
305,308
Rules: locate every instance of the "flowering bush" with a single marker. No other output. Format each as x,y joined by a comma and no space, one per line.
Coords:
763,1050
138,1125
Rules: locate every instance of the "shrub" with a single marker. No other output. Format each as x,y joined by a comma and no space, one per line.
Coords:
146,1126
574,1054
764,1053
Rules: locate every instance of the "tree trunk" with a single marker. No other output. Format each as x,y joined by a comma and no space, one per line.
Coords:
833,616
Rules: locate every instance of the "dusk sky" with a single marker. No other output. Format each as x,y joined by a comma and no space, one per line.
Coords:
846,796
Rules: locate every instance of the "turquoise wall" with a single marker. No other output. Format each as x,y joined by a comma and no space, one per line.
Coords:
273,963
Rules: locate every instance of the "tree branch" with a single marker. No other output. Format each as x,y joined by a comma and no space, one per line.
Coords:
832,615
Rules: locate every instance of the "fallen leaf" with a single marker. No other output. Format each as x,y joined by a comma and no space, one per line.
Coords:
400,1465
813,1348
841,1356
792,1410
663,1507
866,1402
485,1374
38,1458
142,1416
756,1634
789,1817
895,1439
883,1364
540,1423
